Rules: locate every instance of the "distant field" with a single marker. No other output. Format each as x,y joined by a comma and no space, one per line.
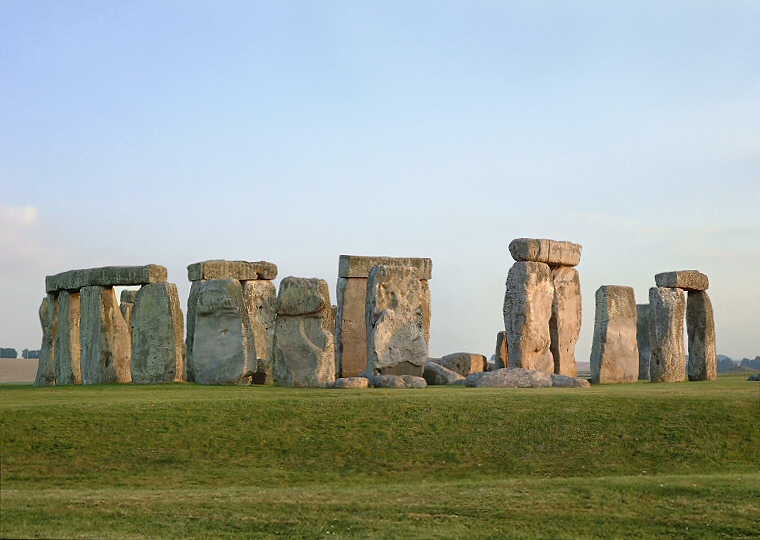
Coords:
620,461
17,370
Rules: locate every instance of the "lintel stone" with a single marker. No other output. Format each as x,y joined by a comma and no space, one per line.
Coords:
688,280
106,276
239,270
551,252
356,266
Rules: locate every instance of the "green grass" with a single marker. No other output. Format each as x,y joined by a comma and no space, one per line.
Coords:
624,461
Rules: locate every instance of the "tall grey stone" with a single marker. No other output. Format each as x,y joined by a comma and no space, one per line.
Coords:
551,252
157,335
700,328
192,302
304,344
106,276
396,343
49,322
690,280
68,345
126,305
261,307
614,351
502,352
106,345
565,322
667,310
527,310
643,323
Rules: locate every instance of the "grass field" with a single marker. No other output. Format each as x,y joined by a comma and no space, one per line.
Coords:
627,461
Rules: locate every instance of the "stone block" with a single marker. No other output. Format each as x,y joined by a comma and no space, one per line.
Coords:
689,280
192,302
565,322
563,381
437,375
615,351
355,266
352,382
239,270
667,362
351,330
700,329
106,276
527,310
261,308
68,346
302,296
509,378
643,322
502,352
126,305
49,321
106,344
551,252
464,363
157,335
398,381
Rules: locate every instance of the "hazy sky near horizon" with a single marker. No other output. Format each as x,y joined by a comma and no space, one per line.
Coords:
174,132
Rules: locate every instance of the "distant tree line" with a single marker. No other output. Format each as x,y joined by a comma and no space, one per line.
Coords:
9,352
26,353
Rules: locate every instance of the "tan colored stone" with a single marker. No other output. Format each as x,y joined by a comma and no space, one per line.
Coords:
700,328
239,270
565,322
435,374
68,346
261,305
614,351
502,352
690,280
302,296
157,336
426,309
352,382
106,276
355,266
527,310
551,252
464,363
106,345
643,322
49,322
667,311
351,330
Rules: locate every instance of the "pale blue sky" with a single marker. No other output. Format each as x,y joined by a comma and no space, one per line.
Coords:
173,132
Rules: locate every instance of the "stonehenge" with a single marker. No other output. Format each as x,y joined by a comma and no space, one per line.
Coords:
643,340
542,306
668,357
615,352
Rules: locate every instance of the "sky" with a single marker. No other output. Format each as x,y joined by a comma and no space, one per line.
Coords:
173,132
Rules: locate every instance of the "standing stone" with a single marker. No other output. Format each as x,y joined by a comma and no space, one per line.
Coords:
615,352
464,363
527,310
261,309
68,345
667,310
396,342
643,323
700,328
49,322
157,335
426,311
565,322
221,335
502,353
126,305
192,302
304,344
106,345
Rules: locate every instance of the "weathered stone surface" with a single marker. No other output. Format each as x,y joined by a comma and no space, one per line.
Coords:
426,309
464,363
435,374
700,329
565,322
502,352
126,305
261,307
68,346
351,331
552,252
398,381
128,295
157,336
395,325
352,382
690,280
106,276
302,296
527,310
643,322
220,334
509,378
355,266
106,345
192,301
614,351
239,270
304,345
563,381
49,322
667,311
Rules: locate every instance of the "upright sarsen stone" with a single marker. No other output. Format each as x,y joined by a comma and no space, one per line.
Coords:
668,359
615,352
49,322
527,310
68,345
700,329
502,352
126,305
157,335
565,321
643,324
106,344
261,307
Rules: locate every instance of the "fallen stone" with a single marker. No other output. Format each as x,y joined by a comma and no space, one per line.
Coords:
700,329
565,322
261,309
551,252
437,375
352,382
527,310
157,336
49,322
106,276
509,378
68,346
563,381
355,266
755,377
464,363
667,310
106,344
689,280
643,322
239,270
398,381
501,358
614,351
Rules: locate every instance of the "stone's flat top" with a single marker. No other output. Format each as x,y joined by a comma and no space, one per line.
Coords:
240,270
553,252
690,280
128,297
302,296
106,276
359,266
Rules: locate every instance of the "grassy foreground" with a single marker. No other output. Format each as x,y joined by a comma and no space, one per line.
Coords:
627,461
